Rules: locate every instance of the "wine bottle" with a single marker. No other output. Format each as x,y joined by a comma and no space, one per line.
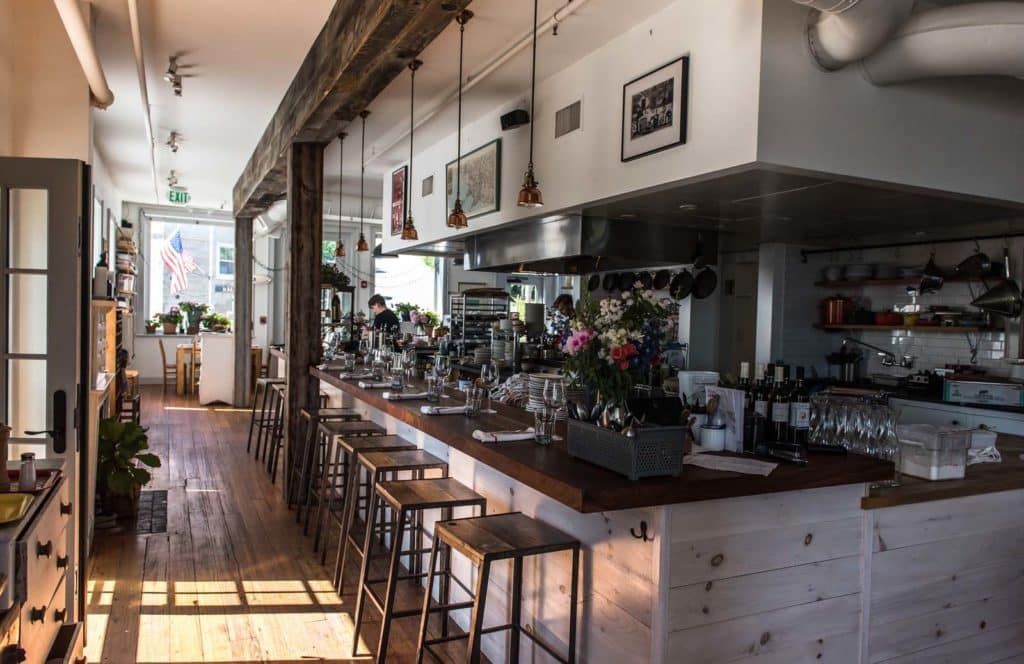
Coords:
799,411
762,393
780,406
745,382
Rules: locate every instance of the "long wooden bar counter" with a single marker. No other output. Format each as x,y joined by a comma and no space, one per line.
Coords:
803,566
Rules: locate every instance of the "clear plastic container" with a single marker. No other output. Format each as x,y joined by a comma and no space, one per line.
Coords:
933,453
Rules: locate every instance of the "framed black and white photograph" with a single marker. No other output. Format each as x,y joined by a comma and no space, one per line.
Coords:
480,188
654,110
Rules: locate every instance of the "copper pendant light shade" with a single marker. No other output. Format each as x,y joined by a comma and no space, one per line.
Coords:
530,195
362,245
339,249
409,228
457,218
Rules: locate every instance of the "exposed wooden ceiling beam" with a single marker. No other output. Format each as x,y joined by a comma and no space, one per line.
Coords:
363,46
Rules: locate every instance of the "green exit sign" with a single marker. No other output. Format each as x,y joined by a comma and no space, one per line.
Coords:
178,196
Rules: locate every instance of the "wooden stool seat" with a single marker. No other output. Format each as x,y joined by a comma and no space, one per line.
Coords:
398,460
302,472
427,494
485,540
339,414
361,444
270,381
500,536
357,428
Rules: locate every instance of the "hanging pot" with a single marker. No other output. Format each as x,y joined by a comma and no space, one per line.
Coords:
610,281
1003,299
626,281
682,285
976,265
594,282
704,283
661,279
931,277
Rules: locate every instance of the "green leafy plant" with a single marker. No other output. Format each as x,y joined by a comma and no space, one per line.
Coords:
122,453
212,321
170,317
332,276
403,308
194,312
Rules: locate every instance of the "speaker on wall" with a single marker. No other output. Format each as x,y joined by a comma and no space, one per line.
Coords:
513,119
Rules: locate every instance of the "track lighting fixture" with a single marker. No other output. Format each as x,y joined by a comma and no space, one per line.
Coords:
172,142
172,69
172,179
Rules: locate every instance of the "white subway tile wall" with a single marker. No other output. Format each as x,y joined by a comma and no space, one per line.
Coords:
929,349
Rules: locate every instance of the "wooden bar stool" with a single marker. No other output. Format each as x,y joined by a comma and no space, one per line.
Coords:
487,539
379,466
274,424
272,450
301,472
404,498
259,405
332,488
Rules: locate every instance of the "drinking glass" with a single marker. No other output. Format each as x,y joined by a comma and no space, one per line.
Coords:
474,397
442,367
364,351
488,376
397,371
434,388
409,363
544,425
554,395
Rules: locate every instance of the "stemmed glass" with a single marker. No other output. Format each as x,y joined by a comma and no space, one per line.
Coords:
364,351
442,367
409,363
554,395
488,377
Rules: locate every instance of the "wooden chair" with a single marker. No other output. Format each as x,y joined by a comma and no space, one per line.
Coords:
194,366
170,368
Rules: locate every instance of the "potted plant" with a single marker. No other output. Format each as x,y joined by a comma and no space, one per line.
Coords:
611,346
170,321
194,312
216,322
152,323
120,474
424,320
332,276
404,310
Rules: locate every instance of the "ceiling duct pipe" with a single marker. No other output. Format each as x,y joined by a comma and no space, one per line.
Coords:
845,31
81,41
976,39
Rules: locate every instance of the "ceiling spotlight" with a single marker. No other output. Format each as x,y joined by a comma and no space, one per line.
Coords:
172,142
176,86
172,179
172,69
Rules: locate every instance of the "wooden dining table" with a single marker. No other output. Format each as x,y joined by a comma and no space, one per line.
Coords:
183,360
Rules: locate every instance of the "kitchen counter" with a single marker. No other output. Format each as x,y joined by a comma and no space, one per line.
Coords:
588,488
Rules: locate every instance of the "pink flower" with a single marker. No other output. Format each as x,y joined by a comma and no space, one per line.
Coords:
577,341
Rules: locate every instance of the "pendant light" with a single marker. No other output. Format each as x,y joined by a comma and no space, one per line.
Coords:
339,249
529,195
362,246
457,218
409,228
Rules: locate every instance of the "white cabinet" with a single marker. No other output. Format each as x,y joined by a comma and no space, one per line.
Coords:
924,412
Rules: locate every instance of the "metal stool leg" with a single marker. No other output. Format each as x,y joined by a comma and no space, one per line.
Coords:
389,598
476,622
364,570
347,521
425,618
252,421
517,600
300,491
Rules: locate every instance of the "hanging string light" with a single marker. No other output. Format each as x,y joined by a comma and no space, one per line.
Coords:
457,218
339,249
361,245
529,195
409,228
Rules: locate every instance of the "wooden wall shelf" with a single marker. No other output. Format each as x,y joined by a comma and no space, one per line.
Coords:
948,329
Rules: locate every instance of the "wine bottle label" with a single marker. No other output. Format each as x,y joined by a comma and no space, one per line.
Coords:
800,415
761,408
780,412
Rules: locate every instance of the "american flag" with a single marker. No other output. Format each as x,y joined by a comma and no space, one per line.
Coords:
178,262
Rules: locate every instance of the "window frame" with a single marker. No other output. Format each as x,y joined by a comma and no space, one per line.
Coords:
217,260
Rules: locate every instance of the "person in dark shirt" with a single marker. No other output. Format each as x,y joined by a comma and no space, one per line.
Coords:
383,318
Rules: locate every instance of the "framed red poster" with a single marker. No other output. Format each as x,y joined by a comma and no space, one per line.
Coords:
398,190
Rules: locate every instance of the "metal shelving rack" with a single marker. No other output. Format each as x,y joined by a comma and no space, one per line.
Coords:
473,315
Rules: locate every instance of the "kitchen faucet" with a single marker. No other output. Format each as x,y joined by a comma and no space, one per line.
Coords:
889,359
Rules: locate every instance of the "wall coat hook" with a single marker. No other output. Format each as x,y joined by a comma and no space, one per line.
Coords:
642,535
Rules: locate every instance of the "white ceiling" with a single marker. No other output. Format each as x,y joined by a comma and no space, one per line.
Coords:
245,54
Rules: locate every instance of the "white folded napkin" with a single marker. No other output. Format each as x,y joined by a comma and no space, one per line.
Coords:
732,464
442,410
360,375
502,436
402,396
373,386
984,455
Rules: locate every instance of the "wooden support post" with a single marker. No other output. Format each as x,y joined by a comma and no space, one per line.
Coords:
302,335
243,311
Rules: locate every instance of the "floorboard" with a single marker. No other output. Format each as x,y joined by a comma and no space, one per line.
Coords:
233,580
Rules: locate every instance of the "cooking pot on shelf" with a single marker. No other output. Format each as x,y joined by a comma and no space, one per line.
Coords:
835,309
847,365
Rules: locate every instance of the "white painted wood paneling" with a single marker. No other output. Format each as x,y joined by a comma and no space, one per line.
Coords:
725,599
944,519
1003,644
786,635
747,553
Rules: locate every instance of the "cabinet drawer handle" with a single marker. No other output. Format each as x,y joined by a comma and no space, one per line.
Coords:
62,562
60,614
44,549
37,615
808,539
717,560
65,508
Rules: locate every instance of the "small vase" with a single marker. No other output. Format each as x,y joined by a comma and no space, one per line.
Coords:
151,329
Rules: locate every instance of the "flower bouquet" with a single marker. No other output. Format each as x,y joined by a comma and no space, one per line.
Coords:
611,346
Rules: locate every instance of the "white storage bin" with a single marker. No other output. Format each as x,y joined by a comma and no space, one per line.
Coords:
933,453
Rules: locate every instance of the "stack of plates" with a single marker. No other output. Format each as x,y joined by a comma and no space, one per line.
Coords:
498,349
481,355
536,400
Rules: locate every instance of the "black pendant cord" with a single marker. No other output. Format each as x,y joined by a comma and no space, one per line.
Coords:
362,174
341,177
533,82
413,66
458,140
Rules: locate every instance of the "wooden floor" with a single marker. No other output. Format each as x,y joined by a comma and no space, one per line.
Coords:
233,579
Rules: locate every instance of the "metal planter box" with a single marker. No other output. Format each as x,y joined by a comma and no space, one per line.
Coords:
653,452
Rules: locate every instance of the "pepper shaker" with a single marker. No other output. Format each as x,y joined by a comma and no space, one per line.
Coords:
27,475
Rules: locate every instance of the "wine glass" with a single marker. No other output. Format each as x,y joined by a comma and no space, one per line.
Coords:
488,377
442,366
364,350
554,395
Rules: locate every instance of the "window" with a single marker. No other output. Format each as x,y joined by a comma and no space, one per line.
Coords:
408,279
189,262
225,261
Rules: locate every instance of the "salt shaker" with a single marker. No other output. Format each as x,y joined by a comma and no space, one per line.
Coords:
27,475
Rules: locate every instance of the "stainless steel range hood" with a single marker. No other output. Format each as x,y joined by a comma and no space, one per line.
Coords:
577,244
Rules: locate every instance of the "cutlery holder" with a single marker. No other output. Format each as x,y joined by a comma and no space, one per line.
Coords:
653,452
